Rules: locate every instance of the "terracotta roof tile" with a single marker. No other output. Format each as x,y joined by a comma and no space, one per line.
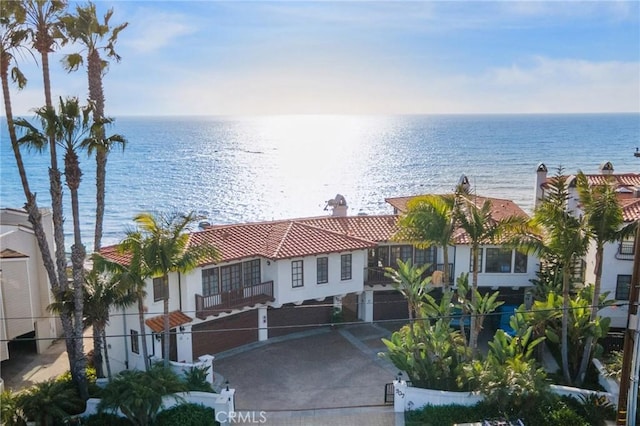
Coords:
176,319
501,208
630,209
113,254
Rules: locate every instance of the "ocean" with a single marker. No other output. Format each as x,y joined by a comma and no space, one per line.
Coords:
242,169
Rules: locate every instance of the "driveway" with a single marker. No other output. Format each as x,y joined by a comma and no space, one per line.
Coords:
321,369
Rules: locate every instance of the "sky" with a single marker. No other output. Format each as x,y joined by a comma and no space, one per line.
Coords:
362,57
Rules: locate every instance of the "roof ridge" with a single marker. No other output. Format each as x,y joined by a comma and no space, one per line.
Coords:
331,231
283,239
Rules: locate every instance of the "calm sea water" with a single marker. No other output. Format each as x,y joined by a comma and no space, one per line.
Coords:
233,169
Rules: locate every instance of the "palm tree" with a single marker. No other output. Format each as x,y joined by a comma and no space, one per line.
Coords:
43,25
84,27
481,228
564,240
12,37
429,220
604,220
49,402
131,275
166,249
411,282
102,293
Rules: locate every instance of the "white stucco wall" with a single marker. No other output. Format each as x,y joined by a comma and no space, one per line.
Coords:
501,279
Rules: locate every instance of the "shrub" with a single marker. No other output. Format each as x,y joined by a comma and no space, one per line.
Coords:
187,415
48,403
196,379
11,414
106,419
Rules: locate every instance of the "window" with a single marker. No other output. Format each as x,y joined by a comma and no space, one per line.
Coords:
498,260
480,253
159,286
424,256
231,277
297,274
345,267
622,287
210,281
251,271
382,257
520,263
627,246
403,253
135,342
323,270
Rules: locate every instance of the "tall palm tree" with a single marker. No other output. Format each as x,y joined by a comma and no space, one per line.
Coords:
71,128
564,240
43,24
604,221
429,220
481,228
84,27
166,249
12,37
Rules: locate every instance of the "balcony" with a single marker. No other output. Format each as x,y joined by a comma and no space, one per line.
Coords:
234,299
376,276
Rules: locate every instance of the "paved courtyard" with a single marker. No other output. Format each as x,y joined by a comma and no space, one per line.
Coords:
327,368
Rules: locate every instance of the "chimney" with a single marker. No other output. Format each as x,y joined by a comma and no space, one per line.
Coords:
541,178
463,183
338,206
606,168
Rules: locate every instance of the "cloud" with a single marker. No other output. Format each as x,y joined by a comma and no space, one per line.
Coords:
150,30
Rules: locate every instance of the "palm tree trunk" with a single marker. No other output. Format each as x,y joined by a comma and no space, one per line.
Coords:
106,353
445,269
595,301
31,205
98,333
73,176
564,348
143,333
473,332
96,94
166,342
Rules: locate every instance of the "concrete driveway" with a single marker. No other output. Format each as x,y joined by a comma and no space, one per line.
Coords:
321,369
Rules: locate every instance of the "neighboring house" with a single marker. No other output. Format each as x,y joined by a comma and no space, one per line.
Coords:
618,257
24,285
285,276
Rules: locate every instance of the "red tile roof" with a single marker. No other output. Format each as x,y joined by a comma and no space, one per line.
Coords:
500,208
279,239
630,209
176,319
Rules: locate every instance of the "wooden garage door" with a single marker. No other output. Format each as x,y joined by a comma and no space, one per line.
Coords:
389,305
223,334
350,307
289,317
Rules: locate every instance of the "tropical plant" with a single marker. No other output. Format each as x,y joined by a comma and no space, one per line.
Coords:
613,365
429,220
481,228
411,281
604,221
166,249
84,27
509,376
138,394
102,293
430,354
49,402
10,412
196,379
563,241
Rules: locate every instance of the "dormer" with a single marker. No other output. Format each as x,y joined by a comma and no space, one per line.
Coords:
606,168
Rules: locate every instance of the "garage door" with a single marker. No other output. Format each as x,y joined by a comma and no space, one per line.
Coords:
292,318
389,305
225,333
350,307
